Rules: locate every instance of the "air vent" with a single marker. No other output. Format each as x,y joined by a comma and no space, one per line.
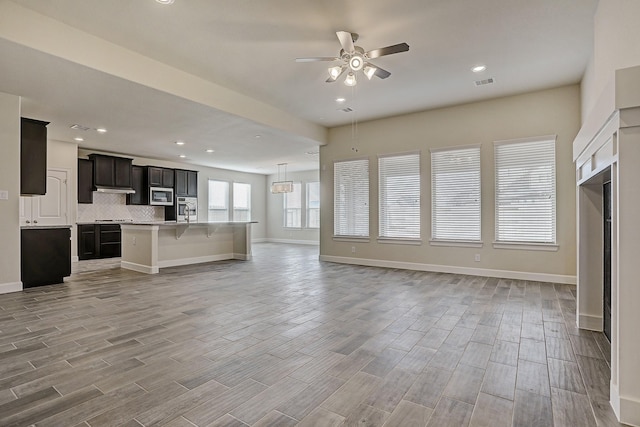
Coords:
484,82
346,110
79,127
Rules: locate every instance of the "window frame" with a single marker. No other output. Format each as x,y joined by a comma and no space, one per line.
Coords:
361,207
464,241
233,201
226,198
527,244
308,209
389,207
286,209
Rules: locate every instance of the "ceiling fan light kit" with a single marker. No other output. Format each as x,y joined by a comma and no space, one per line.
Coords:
356,59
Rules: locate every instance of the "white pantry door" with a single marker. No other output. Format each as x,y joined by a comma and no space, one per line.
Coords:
50,209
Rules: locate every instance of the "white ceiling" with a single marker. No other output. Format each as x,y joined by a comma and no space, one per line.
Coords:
249,47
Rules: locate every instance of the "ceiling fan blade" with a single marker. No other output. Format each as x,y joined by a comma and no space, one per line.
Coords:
396,48
346,41
317,58
380,72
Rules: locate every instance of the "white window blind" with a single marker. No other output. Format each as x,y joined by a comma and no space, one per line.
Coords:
351,198
399,186
241,201
526,190
293,207
455,194
218,200
313,204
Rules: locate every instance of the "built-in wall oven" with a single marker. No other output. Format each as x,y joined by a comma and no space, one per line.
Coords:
161,196
187,208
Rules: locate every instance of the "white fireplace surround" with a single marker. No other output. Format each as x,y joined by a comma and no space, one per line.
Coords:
608,148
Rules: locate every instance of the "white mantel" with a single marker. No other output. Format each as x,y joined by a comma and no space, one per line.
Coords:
608,148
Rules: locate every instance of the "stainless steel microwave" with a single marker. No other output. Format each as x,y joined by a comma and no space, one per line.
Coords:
161,196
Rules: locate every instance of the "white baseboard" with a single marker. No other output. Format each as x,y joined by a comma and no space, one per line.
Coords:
194,260
627,410
295,242
9,287
75,259
589,322
483,272
259,240
243,257
139,267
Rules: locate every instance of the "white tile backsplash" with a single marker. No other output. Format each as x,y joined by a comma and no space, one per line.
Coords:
113,206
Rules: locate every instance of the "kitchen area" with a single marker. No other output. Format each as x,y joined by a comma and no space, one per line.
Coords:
108,205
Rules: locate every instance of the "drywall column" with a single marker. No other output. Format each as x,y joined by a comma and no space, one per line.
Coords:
9,187
625,363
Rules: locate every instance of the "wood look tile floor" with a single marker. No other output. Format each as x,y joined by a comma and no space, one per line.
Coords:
286,340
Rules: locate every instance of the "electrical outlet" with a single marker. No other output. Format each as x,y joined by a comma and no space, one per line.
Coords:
477,257
353,249
4,195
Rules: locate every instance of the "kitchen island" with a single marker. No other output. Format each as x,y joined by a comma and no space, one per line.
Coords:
149,246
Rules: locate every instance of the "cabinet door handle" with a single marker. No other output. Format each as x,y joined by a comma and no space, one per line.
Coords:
35,221
28,222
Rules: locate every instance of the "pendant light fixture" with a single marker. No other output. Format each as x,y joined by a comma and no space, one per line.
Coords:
283,186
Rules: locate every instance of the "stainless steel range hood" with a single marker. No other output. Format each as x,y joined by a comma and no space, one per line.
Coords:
117,190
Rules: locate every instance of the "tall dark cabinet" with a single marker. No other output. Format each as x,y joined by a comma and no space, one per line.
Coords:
33,157
139,184
85,181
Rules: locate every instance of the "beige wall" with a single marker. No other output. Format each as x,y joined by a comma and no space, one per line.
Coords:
258,196
275,212
10,181
555,111
616,45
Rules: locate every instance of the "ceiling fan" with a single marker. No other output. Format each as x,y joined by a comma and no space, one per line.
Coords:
354,59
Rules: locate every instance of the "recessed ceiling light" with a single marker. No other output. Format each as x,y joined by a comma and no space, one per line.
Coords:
165,1
77,138
479,68
210,150
101,130
258,136
182,156
340,100
179,142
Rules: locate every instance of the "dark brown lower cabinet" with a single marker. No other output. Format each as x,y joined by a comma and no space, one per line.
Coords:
45,256
99,241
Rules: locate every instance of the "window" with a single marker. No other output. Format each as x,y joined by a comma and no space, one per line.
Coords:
455,194
526,190
218,200
399,186
351,198
241,202
293,207
313,204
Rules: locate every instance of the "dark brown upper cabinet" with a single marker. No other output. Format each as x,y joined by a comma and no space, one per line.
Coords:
160,177
186,183
33,157
110,172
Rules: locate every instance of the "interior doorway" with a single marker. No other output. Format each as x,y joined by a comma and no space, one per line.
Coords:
606,267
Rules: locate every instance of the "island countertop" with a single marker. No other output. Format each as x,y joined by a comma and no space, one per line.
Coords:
148,246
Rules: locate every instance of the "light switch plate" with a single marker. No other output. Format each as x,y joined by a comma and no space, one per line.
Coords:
4,195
